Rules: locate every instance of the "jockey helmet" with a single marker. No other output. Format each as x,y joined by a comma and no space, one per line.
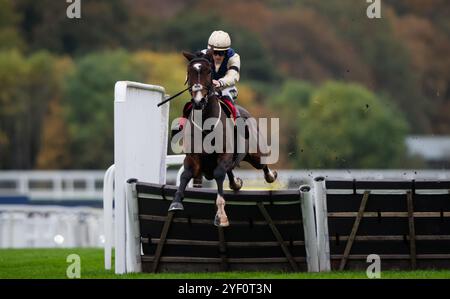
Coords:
219,41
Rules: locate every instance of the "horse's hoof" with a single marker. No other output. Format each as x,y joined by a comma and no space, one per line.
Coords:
221,223
275,175
224,224
238,183
271,177
217,220
176,206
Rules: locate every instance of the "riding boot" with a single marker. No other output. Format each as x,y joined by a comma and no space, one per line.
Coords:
233,102
238,113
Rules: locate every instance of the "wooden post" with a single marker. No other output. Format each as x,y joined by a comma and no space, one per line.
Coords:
352,236
162,241
412,231
222,249
277,235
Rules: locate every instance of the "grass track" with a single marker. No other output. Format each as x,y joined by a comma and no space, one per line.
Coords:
51,264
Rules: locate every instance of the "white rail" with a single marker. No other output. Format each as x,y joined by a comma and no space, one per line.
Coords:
52,185
88,185
23,226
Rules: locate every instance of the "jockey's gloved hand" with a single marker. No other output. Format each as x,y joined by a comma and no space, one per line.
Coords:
216,83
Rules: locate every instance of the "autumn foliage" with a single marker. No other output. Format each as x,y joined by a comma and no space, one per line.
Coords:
57,74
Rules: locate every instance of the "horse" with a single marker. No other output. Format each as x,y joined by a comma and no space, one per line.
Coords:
218,164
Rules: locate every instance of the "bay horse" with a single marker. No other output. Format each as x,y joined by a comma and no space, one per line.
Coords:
217,164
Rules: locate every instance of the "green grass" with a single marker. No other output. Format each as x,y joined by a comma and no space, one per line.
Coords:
51,264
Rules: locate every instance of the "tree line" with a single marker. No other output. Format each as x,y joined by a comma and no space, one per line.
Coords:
347,89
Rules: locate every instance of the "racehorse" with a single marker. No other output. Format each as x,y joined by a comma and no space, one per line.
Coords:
217,164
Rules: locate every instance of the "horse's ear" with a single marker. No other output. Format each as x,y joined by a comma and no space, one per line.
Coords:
209,55
189,56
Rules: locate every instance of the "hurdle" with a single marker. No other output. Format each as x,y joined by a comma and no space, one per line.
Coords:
404,222
140,158
341,220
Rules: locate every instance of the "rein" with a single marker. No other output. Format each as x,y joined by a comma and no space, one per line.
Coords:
173,97
209,88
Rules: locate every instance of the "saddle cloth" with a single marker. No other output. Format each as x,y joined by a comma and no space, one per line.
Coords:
225,102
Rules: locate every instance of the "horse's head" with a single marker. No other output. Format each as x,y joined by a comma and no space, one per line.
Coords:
199,78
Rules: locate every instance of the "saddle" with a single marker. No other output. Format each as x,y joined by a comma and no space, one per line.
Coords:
225,102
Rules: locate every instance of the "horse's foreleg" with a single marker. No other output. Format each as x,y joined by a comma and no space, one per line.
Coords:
221,218
176,204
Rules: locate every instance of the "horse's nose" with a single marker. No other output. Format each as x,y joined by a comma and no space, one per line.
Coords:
197,87
198,97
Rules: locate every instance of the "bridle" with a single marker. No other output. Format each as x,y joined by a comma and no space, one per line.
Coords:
199,87
196,87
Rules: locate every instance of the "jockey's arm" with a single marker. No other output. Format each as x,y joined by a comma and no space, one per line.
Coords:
232,76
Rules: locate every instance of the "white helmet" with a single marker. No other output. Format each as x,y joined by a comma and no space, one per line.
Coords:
219,41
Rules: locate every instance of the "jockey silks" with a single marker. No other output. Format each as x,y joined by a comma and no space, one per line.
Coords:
224,66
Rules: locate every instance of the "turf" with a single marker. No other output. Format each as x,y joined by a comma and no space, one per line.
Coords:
51,264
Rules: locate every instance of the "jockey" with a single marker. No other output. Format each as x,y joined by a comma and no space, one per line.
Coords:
225,73
227,65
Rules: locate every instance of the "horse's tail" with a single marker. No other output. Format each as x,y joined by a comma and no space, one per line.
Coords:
244,113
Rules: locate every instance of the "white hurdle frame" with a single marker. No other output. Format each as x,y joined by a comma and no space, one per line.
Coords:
140,151
309,229
323,241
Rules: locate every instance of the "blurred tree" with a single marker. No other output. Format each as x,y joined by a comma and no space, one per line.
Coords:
9,36
55,144
167,70
54,152
256,62
193,29
403,57
23,104
346,126
157,8
429,50
297,40
293,98
45,25
252,15
436,11
294,95
12,105
387,58
89,102
309,48
189,30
